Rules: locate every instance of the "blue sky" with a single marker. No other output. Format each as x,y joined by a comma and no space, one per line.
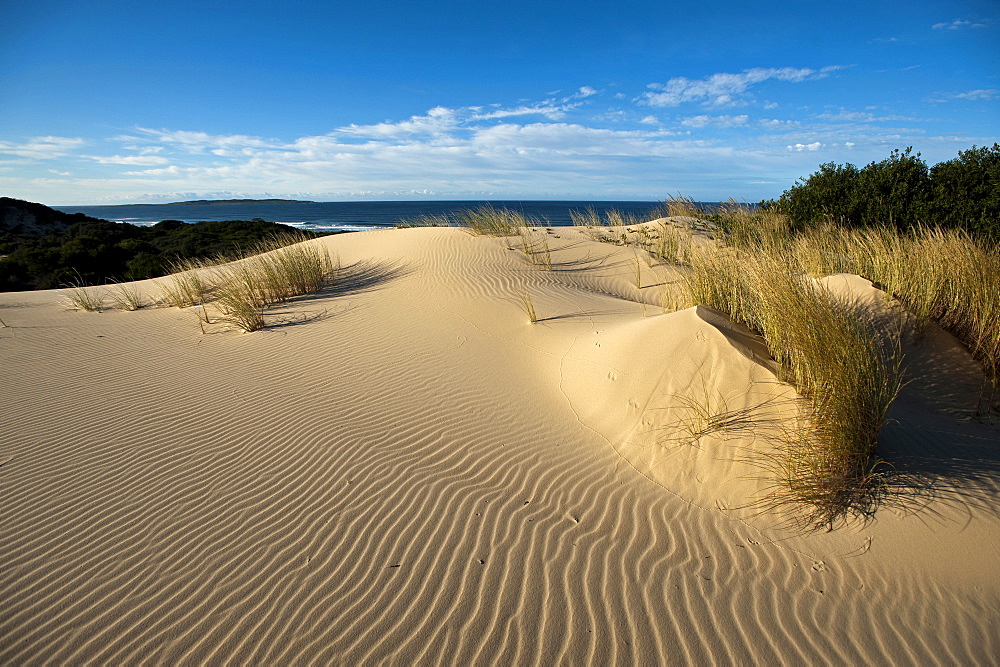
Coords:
124,102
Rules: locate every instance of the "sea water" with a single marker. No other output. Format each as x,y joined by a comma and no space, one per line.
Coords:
349,216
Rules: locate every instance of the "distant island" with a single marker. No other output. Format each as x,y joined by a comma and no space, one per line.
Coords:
213,202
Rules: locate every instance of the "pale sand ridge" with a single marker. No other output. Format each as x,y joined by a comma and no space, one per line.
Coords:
403,469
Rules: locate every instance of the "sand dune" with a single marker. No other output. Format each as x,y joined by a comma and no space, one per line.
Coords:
403,469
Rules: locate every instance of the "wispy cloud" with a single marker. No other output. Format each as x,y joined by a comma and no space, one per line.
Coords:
970,95
196,142
546,110
442,121
42,148
723,88
861,117
715,121
979,94
134,160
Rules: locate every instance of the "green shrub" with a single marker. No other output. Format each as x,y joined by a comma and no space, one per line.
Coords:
966,191
901,192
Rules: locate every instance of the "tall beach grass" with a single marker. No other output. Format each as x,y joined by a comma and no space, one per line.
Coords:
945,276
844,362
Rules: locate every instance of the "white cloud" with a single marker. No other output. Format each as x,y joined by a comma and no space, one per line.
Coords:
529,149
723,88
134,160
959,24
443,151
775,123
438,120
42,148
715,121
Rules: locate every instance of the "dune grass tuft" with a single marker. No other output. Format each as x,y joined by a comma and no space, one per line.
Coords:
709,414
529,306
241,289
672,244
125,296
585,218
616,218
240,299
536,251
81,297
425,220
747,227
187,284
244,289
490,221
678,206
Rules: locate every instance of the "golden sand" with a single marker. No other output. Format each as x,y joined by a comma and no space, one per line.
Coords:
404,469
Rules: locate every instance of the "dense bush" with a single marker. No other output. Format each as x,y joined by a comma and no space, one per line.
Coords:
966,191
48,249
902,192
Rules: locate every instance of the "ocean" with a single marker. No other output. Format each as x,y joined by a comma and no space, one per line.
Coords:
346,216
